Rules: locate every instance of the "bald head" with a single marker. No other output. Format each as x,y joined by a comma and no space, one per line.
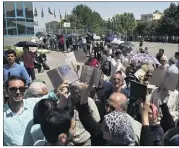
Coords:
36,89
118,101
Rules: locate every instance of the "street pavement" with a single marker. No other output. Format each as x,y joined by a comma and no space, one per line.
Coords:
55,58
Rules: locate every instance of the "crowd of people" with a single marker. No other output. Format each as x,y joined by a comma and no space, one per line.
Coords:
36,116
163,39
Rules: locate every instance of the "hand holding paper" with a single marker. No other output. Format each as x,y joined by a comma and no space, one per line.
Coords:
62,93
79,92
63,90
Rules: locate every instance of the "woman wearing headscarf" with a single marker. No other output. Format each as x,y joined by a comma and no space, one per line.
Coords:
121,134
118,130
156,129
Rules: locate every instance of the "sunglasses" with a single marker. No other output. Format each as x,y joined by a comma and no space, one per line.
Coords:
21,89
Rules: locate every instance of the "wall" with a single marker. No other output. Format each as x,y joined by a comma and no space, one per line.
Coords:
11,40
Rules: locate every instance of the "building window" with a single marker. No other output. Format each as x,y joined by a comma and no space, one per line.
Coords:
9,8
30,26
21,26
4,27
3,10
28,9
11,26
19,9
18,18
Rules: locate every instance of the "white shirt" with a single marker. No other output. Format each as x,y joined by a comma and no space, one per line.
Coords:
117,64
173,102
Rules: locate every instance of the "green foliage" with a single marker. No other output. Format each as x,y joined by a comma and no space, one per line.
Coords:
168,24
170,20
83,17
124,23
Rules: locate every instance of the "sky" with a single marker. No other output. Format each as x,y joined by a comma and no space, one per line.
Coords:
105,9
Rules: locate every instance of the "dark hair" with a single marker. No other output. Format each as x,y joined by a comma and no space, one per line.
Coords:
12,78
118,52
42,107
56,122
176,53
161,50
104,66
119,72
10,51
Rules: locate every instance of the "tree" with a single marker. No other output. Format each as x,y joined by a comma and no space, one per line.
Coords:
84,14
97,22
170,20
151,28
124,23
140,28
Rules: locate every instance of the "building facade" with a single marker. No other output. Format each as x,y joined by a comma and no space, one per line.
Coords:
18,21
52,27
150,17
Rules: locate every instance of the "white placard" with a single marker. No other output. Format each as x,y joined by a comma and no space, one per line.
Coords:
69,57
66,25
140,73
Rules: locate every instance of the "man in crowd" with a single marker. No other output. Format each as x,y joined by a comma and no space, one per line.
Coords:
29,58
171,98
159,54
118,101
18,113
14,69
36,89
118,83
117,62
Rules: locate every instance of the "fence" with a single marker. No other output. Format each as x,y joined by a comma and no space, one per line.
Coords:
71,31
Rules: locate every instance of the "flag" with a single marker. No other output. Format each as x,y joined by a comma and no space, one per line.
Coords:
42,13
49,11
54,13
60,16
35,12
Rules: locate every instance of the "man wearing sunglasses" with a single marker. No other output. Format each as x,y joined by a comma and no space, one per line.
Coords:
118,83
18,113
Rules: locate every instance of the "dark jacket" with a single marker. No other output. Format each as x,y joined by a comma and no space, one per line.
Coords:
158,134
146,138
167,121
95,130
